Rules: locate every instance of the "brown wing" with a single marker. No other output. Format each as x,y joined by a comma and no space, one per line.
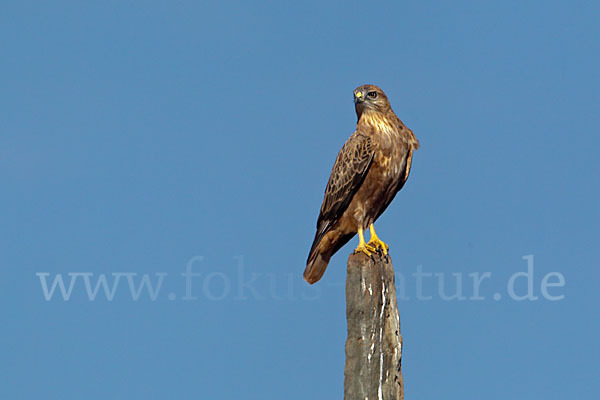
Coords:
404,161
348,173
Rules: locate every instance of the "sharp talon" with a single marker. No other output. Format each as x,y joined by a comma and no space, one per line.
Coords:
362,246
379,245
365,249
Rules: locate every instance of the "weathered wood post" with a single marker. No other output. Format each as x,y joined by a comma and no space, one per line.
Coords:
374,344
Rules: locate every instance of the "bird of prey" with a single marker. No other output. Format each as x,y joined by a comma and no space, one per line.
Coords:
369,170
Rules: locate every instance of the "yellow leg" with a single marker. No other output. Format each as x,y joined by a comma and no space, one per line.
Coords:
362,246
375,242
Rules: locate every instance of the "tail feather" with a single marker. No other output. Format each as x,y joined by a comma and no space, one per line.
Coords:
315,266
324,246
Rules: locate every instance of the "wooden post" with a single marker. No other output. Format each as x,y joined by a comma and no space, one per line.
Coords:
374,344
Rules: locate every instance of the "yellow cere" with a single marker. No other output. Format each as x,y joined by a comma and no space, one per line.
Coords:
358,94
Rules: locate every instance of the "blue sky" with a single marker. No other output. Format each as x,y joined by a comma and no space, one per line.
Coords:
142,137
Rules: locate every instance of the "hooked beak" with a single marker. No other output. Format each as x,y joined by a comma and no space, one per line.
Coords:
358,97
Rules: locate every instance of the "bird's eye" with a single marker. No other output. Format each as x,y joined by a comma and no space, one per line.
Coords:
372,95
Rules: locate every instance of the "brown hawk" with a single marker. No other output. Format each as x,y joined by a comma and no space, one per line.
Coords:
369,170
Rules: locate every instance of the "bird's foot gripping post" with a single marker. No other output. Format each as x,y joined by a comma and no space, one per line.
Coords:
375,246
377,243
363,247
374,344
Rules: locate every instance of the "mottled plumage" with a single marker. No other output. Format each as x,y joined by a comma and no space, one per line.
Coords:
369,170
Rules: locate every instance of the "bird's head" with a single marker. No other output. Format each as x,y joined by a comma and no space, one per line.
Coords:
370,97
